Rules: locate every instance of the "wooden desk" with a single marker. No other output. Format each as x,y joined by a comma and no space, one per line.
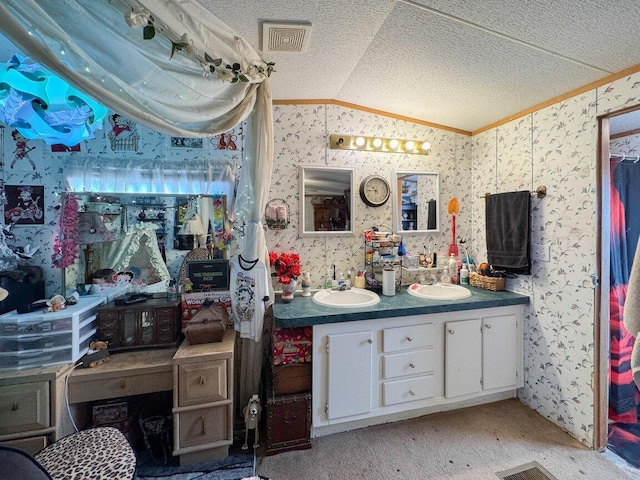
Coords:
125,374
201,378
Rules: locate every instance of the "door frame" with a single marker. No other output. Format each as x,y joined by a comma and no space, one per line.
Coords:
602,281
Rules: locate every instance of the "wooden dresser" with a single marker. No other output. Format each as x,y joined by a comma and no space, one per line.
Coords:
203,400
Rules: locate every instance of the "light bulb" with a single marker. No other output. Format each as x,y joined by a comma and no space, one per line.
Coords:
426,146
393,144
360,141
409,146
377,143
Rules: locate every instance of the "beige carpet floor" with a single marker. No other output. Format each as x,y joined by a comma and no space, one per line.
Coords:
468,444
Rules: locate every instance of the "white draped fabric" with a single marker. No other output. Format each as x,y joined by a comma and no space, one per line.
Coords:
89,44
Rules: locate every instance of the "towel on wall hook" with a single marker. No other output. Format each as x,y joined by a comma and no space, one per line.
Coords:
508,227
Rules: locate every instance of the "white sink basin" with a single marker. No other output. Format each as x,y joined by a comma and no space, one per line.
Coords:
439,291
356,297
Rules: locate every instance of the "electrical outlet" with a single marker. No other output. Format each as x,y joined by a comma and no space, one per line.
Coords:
541,253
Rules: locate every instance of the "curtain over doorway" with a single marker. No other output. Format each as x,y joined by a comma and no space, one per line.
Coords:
624,397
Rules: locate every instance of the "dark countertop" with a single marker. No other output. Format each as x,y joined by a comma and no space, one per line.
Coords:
302,311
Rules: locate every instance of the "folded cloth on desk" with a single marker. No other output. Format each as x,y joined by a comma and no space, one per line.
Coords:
508,228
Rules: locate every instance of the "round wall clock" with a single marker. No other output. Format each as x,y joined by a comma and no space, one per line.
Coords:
374,190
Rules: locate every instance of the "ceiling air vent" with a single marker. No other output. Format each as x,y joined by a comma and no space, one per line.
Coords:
285,37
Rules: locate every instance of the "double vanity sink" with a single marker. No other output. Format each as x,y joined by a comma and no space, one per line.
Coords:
334,306
358,297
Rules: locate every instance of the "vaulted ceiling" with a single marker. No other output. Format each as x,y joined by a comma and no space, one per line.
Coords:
464,64
459,63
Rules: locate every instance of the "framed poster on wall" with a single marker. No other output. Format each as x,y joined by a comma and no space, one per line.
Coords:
24,204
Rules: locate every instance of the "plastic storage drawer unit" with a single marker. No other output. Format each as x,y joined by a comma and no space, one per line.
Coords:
39,339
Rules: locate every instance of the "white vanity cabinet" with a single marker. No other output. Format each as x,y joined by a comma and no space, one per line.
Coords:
481,354
374,371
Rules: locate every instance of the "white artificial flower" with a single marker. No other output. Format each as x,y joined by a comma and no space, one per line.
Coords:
224,74
137,18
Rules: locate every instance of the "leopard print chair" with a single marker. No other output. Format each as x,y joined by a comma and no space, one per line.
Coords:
101,453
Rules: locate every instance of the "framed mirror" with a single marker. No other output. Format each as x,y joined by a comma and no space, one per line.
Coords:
327,205
416,197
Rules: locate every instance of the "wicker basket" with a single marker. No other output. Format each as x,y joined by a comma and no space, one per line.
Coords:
495,284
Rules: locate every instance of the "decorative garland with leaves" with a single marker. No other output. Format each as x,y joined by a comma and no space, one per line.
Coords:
233,73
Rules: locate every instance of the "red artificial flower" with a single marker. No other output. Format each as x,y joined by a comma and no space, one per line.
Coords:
286,266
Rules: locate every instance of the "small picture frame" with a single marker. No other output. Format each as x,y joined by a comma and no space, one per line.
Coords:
186,143
60,148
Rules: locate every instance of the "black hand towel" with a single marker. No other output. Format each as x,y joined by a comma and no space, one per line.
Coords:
508,231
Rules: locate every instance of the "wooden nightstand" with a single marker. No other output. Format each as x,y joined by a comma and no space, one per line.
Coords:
203,400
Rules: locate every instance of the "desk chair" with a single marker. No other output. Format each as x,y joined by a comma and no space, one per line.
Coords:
98,453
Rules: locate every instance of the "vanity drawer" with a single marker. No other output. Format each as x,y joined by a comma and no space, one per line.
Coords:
409,390
202,382
203,426
408,337
408,363
82,390
24,407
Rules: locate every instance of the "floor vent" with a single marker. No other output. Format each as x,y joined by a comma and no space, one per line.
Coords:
530,471
285,37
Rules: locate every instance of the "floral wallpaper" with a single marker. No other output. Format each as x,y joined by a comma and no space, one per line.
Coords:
301,138
555,147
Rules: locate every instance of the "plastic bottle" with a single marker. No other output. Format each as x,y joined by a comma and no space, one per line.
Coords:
464,275
452,268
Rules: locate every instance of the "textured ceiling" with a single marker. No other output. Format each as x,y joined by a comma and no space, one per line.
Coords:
463,64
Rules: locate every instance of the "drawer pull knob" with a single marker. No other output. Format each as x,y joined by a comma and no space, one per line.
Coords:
412,393
369,341
451,332
14,407
202,432
412,365
409,338
201,380
487,326
123,384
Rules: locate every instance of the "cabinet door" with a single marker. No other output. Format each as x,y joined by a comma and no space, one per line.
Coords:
499,352
349,376
463,357
128,326
147,326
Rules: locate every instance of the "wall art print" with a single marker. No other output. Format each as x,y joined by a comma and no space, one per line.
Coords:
123,135
225,141
21,153
24,204
186,143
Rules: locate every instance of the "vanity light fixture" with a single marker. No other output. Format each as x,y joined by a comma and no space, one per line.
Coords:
379,144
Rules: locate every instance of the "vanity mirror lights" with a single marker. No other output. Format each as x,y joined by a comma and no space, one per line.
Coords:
416,201
326,201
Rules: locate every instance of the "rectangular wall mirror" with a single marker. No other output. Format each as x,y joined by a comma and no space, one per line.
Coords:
326,200
416,198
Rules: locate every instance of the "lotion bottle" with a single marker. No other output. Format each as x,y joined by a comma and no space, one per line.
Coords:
464,274
452,267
